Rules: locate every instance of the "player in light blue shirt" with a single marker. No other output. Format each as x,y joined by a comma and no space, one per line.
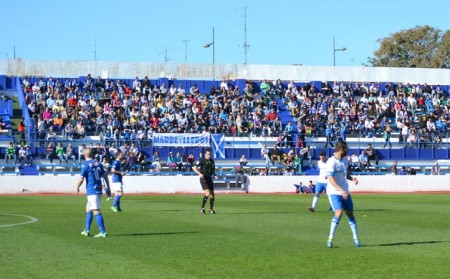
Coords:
339,193
116,185
93,172
322,181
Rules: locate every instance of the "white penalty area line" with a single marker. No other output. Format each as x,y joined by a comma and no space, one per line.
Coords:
30,218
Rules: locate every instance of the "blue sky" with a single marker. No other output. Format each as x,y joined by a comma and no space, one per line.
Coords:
278,32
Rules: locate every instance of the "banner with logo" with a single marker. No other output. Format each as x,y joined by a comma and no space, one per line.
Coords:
181,140
218,146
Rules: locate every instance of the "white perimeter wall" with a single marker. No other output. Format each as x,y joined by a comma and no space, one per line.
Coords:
113,69
190,184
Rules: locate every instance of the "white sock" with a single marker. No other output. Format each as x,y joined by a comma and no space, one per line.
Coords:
334,225
314,203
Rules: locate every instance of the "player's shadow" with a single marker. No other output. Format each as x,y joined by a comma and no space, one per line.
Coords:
257,213
374,210
153,233
406,243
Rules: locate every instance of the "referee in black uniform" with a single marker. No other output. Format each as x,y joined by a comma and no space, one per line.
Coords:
206,169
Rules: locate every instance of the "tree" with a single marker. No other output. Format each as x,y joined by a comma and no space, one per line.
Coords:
422,47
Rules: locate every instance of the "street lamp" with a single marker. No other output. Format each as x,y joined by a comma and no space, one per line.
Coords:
208,45
334,51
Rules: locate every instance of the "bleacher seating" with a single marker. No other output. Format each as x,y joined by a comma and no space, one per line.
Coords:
249,144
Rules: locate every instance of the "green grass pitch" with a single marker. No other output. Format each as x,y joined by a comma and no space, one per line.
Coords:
251,236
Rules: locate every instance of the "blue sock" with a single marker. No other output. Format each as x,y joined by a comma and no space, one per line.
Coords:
116,200
101,225
88,221
334,225
353,226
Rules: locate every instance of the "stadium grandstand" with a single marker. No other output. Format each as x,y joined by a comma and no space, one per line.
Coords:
164,124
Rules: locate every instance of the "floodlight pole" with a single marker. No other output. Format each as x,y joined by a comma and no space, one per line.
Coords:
336,49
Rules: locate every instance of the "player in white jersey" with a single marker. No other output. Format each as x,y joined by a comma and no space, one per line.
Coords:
322,181
339,193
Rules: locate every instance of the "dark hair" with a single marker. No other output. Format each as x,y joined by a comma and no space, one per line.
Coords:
340,145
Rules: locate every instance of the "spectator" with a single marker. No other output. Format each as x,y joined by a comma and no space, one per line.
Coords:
412,139
265,154
306,154
60,152
178,161
371,154
412,171
435,169
190,161
243,161
80,152
171,161
364,161
329,133
70,154
50,152
354,162
311,187
402,171
387,136
28,156
21,129
394,168
10,153
156,164
140,160
21,155
275,154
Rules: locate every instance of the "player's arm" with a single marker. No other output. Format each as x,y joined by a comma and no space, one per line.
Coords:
354,179
79,183
113,170
214,173
196,170
333,182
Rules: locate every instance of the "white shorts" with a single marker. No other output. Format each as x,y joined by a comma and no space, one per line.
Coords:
93,202
116,186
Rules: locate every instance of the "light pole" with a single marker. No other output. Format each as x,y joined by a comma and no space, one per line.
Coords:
185,49
334,51
208,45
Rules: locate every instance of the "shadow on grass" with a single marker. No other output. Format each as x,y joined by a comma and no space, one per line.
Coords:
406,243
153,233
245,213
374,210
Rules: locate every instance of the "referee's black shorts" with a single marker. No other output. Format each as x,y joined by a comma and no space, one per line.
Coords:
207,183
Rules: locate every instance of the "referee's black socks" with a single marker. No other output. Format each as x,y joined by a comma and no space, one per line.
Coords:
211,203
205,198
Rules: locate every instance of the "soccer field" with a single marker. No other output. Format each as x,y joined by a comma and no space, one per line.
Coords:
251,236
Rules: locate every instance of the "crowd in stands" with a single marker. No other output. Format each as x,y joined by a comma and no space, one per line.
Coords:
128,114
135,111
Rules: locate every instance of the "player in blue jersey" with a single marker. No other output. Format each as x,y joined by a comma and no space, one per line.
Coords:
339,193
116,185
93,172
322,181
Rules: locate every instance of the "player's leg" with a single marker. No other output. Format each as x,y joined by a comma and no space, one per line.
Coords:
95,207
205,199
120,194
319,189
88,223
205,188
348,207
336,205
211,197
117,188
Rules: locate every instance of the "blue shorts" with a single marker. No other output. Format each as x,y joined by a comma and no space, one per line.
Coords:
321,187
338,202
